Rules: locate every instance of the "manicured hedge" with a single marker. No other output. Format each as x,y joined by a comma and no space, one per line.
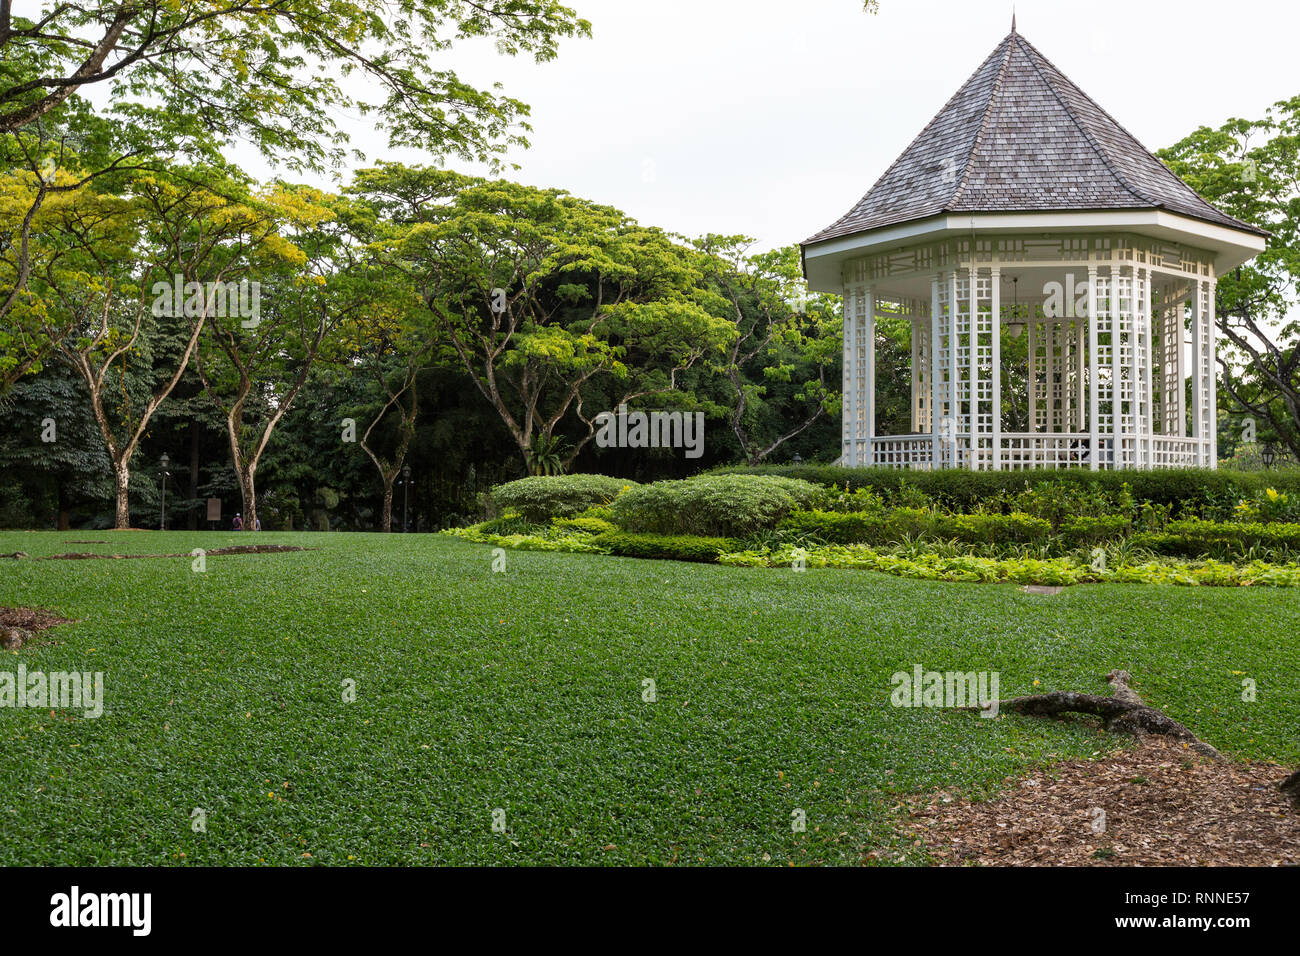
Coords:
670,547
838,527
893,526
961,489
1086,532
543,497
719,505
1192,539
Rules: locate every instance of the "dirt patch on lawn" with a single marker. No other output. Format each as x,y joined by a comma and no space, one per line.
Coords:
19,625
1163,806
237,549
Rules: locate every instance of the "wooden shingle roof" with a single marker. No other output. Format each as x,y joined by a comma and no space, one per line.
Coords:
1019,136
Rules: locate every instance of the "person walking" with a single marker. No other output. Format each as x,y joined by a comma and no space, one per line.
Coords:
239,522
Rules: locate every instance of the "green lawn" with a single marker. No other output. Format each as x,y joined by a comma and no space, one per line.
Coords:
523,691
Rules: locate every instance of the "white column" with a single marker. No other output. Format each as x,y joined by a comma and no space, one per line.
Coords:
869,322
1094,386
1031,380
1213,372
1198,395
1117,367
936,402
1147,427
1064,340
1177,320
848,413
972,306
915,325
1080,375
1051,336
995,285
954,392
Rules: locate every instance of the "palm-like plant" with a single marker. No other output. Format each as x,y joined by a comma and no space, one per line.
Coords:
546,455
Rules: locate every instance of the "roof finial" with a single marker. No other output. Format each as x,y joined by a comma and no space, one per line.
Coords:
1013,18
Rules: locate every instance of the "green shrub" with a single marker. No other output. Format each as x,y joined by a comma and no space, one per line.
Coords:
543,497
512,522
1187,491
918,524
994,529
1086,531
667,547
546,539
1194,538
837,527
862,499
1058,502
585,524
1269,505
1057,571
721,505
911,524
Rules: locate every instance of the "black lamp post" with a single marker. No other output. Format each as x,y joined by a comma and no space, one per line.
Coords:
406,497
164,461
1269,454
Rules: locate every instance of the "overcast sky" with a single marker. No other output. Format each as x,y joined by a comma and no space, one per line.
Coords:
771,118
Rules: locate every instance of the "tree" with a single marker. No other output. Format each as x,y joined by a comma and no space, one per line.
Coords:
184,79
51,447
391,345
51,158
1251,169
270,71
782,336
100,301
542,294
253,372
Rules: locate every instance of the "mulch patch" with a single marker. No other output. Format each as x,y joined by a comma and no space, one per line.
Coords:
1164,806
29,619
237,549
18,625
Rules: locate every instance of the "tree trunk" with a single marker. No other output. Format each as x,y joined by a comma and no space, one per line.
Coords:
248,492
388,503
64,524
192,518
122,480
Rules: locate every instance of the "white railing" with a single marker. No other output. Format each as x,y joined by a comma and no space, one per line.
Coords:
1171,452
1047,450
903,451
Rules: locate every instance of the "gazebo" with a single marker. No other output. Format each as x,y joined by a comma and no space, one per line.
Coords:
1024,209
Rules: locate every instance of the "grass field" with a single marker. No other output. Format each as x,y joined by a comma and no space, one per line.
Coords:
523,691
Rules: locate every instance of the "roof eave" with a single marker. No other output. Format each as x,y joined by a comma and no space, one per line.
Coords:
823,259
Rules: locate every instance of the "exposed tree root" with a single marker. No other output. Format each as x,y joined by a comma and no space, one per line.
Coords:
1291,787
1123,712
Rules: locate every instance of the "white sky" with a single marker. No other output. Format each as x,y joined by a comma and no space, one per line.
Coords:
772,117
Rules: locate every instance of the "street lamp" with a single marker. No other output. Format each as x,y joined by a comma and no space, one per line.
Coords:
406,496
164,461
1269,454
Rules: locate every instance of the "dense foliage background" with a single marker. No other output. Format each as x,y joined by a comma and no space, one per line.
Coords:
422,335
